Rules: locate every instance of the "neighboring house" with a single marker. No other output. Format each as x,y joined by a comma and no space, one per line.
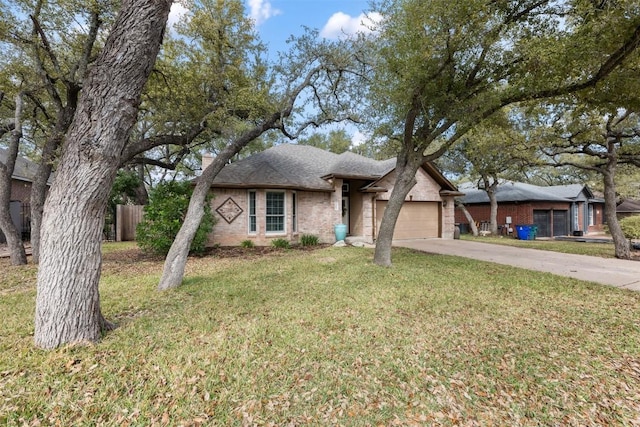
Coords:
628,208
290,190
23,175
558,210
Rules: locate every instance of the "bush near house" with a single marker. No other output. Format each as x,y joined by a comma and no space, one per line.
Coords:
247,244
163,217
631,227
309,240
280,243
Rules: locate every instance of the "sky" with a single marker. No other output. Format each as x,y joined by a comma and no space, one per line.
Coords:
277,20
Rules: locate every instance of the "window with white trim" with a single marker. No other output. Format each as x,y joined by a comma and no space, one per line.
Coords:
253,220
294,212
591,216
275,212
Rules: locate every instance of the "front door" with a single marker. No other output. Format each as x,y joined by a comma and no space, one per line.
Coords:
345,212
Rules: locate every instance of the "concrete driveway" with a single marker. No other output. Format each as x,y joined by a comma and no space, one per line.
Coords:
607,271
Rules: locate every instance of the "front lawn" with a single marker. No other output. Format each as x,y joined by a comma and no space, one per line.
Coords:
325,338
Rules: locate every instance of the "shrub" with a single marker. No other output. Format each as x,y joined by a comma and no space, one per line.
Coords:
280,243
164,215
631,227
309,240
247,244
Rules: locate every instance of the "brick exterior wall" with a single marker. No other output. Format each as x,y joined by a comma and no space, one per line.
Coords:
522,213
318,212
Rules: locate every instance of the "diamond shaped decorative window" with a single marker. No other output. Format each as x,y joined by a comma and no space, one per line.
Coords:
229,210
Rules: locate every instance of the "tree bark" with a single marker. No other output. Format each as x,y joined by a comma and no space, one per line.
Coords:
622,245
17,253
67,301
39,186
493,209
467,215
141,194
407,165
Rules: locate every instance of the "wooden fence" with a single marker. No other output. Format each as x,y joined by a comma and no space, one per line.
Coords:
127,218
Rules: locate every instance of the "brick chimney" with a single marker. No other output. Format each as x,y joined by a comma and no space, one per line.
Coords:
207,159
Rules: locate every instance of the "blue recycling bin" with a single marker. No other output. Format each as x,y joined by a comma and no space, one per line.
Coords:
526,232
341,231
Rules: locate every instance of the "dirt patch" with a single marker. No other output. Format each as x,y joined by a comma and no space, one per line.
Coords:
135,255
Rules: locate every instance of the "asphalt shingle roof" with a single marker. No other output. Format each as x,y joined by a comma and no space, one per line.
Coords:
25,169
629,206
299,166
521,192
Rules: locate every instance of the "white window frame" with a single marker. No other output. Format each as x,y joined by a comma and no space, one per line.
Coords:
592,217
255,211
294,211
283,215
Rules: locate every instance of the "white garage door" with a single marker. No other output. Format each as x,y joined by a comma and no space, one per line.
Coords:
417,220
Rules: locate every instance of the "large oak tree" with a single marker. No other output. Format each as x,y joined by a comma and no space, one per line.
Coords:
600,140
67,302
438,68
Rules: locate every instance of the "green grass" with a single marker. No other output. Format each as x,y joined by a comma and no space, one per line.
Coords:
604,250
325,338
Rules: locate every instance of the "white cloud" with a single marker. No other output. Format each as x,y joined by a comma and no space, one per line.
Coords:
177,12
261,10
340,24
358,138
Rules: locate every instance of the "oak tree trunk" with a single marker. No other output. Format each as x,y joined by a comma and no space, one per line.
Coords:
141,194
467,215
176,260
67,301
407,165
39,193
622,245
493,210
17,253
39,186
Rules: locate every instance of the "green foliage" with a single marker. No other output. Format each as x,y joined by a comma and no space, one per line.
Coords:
124,187
247,244
163,217
309,240
336,141
280,243
441,67
631,227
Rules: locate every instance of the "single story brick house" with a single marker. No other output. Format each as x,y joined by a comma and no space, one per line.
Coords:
558,210
290,190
